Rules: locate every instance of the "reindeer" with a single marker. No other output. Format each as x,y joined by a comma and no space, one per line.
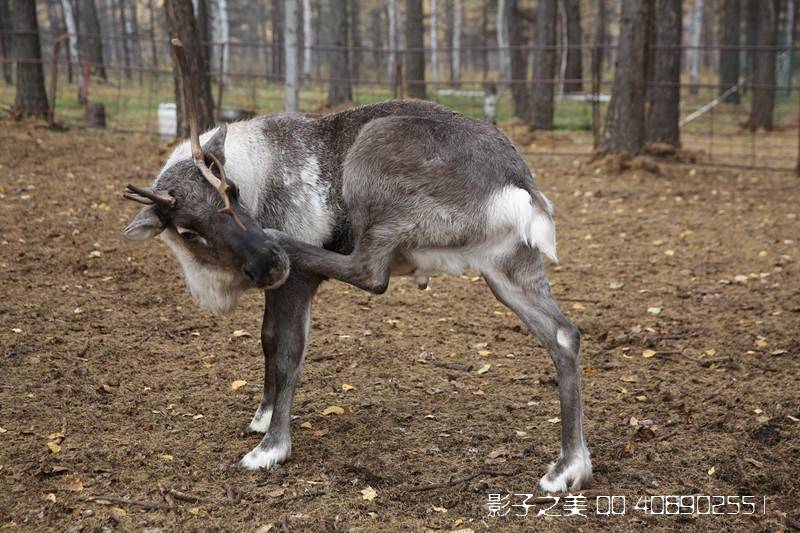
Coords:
284,202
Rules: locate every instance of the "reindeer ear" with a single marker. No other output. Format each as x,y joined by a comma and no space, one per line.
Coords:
144,225
216,144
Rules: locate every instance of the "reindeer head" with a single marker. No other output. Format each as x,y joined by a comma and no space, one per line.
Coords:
222,249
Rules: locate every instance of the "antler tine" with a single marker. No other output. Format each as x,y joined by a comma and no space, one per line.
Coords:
220,184
147,196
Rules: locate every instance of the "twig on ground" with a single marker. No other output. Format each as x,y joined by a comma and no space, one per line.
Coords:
457,481
311,494
579,300
452,366
191,498
108,500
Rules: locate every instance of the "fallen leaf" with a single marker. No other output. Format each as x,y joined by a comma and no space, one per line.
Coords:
56,436
440,509
277,493
167,457
654,310
761,343
321,432
498,452
119,512
711,471
16,330
630,378
241,333
76,485
194,510
484,352
614,285
347,387
669,252
711,352
369,494
578,306
555,420
238,384
333,410
649,353
641,398
3,430
54,447
484,369
50,497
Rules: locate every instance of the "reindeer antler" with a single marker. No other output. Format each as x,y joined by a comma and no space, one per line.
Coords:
147,196
189,108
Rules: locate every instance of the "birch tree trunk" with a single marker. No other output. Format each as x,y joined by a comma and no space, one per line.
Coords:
693,53
308,39
291,88
455,60
504,53
415,55
763,102
751,37
354,11
600,37
434,38
789,38
729,55
72,44
276,14
31,98
126,50
573,72
339,90
665,92
625,126
544,66
391,16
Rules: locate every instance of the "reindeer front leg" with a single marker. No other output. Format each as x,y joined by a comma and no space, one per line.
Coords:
287,319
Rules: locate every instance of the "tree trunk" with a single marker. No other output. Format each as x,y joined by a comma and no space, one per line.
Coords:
92,41
520,100
752,13
600,37
182,25
544,66
31,96
763,102
573,73
624,131
339,90
503,52
126,50
729,68
277,38
153,47
6,40
693,53
291,89
308,39
354,11
415,55
434,38
789,38
220,35
665,91
391,18
455,59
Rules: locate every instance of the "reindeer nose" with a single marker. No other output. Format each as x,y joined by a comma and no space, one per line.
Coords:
266,265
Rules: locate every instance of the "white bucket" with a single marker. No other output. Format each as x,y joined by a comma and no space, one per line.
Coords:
167,121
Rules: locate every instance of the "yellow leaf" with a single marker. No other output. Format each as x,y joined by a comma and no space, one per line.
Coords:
484,369
711,352
649,353
369,494
669,252
347,387
484,352
50,497
56,436
711,471
241,333
167,457
119,511
440,509
578,306
457,522
238,384
654,310
641,398
194,510
555,420
333,410
54,447
629,378
761,343
306,425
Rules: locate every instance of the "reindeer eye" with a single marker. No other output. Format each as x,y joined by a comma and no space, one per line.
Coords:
191,236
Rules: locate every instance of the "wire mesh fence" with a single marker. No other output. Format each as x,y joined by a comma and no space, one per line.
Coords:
246,79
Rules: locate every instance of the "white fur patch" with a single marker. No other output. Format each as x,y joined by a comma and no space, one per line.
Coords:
265,458
261,420
311,219
578,473
211,287
512,208
563,339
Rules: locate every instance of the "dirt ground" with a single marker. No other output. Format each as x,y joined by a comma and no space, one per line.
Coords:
115,385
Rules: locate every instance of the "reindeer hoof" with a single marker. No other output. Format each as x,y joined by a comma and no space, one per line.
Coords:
265,457
568,475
